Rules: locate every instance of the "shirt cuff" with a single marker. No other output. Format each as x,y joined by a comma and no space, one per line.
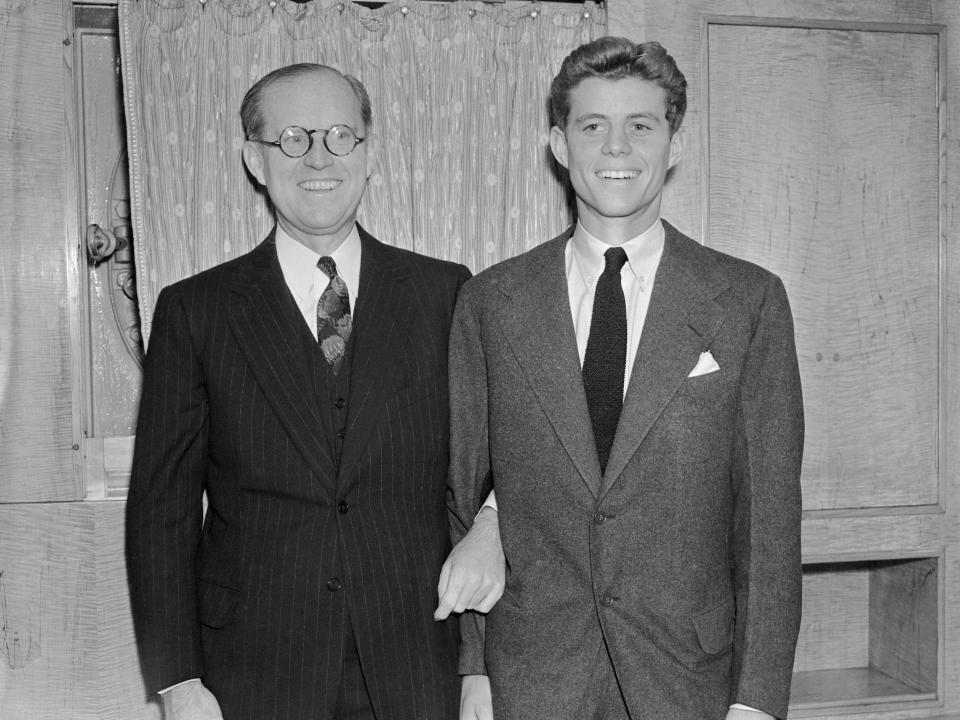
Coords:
168,689
738,706
490,502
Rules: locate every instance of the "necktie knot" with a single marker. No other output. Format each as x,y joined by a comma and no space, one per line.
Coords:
327,265
615,258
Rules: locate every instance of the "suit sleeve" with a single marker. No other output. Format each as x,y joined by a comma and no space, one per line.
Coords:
470,479
767,509
164,505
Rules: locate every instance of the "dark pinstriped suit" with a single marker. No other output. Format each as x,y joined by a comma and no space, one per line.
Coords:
229,406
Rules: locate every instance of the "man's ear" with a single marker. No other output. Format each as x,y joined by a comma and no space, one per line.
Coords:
253,159
678,144
373,153
558,144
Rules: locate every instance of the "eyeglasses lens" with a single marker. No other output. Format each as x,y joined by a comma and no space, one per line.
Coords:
295,142
340,140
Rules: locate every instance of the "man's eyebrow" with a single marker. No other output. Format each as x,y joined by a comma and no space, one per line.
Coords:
647,116
590,116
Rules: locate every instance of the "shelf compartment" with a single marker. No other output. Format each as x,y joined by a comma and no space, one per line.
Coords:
870,633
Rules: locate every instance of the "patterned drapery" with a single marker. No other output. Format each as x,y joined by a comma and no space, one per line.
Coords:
459,103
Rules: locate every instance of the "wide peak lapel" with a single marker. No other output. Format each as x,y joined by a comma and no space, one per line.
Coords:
536,322
266,324
682,319
383,319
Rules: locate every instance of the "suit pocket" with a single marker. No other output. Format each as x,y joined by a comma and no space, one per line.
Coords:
715,628
217,604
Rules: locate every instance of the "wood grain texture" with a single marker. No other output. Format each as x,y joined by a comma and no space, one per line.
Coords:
66,633
36,421
903,622
805,126
834,631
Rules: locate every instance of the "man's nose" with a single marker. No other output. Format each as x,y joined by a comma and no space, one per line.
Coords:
617,142
318,156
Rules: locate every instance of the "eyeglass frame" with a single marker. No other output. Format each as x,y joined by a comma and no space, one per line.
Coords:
325,131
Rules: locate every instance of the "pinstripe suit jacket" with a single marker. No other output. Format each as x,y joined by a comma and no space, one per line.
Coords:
229,408
683,559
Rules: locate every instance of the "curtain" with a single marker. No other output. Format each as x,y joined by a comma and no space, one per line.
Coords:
459,112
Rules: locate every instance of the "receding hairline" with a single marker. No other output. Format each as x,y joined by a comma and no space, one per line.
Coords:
254,104
321,71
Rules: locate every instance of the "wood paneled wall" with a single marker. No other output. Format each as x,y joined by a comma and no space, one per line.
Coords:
66,635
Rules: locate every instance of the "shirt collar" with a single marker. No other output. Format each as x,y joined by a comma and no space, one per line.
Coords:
643,253
299,263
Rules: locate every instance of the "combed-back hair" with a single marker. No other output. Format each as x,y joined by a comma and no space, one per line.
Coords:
251,109
617,58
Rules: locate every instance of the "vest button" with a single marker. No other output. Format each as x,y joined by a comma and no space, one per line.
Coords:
334,584
344,507
340,433
339,403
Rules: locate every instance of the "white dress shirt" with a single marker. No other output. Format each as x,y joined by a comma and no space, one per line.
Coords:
306,281
584,264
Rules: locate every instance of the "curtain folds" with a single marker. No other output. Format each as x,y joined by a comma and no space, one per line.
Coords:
459,111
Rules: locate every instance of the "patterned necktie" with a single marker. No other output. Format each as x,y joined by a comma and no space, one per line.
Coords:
606,357
333,315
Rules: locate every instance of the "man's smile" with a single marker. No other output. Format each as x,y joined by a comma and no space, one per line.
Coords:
617,174
320,185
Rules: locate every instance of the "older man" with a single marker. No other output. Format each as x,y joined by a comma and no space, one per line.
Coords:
303,387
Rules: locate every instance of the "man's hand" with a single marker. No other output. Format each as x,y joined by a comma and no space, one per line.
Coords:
472,578
744,714
476,703
190,701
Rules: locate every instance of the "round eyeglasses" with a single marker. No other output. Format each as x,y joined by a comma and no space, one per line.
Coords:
296,142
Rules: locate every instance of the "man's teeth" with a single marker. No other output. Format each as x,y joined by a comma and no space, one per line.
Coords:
319,185
617,174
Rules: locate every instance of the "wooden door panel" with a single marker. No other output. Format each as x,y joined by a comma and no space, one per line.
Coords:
823,149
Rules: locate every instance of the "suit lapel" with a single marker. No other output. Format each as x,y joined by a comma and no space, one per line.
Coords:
537,324
682,319
386,297
266,324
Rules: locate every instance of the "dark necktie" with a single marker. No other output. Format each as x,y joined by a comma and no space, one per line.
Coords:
333,315
606,357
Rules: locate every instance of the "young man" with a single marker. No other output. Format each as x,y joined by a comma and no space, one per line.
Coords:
634,399
303,387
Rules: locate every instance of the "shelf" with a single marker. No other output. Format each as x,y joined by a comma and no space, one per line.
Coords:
869,634
849,686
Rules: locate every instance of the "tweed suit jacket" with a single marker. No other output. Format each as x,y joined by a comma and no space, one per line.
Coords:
249,600
683,560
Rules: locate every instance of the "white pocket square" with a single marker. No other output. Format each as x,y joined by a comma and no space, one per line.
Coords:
705,364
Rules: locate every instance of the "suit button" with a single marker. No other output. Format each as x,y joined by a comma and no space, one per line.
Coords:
334,584
344,507
607,600
339,403
340,433
599,517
